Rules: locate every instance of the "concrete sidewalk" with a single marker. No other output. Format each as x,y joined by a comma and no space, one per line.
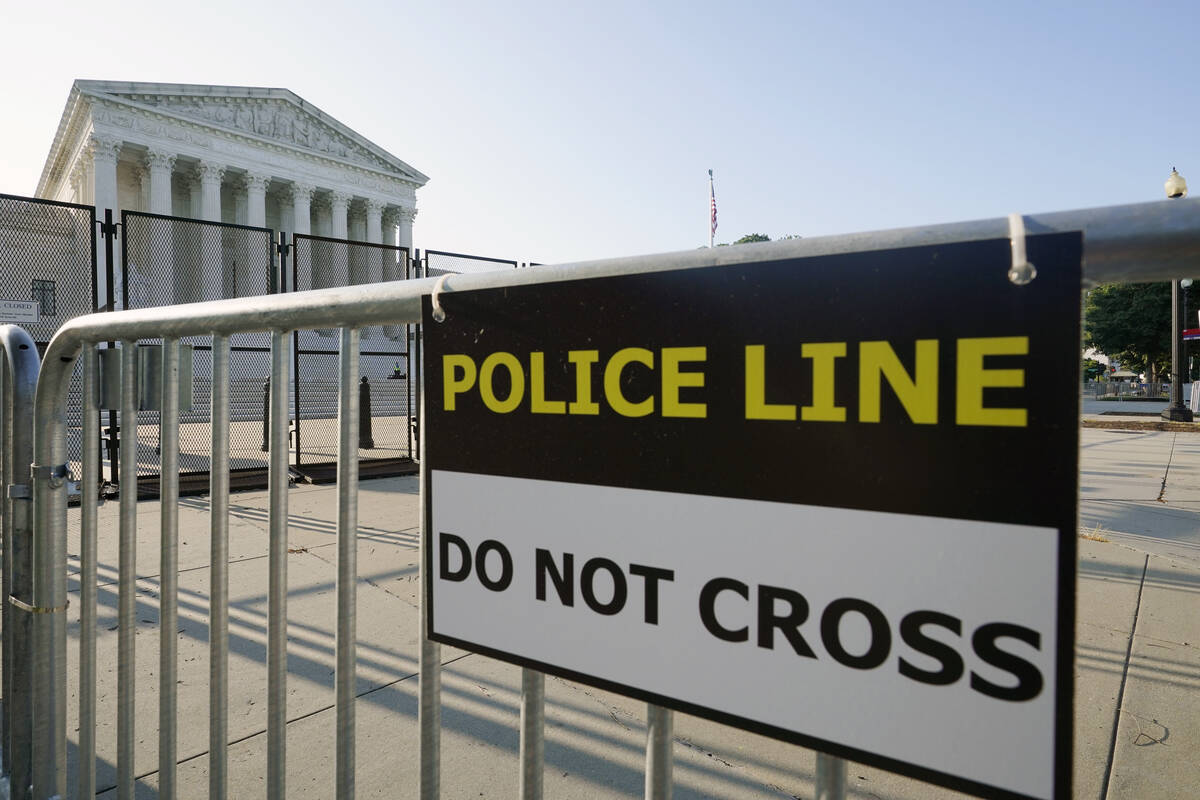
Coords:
1137,717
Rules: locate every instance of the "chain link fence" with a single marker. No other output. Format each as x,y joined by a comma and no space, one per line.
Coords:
48,255
170,261
384,361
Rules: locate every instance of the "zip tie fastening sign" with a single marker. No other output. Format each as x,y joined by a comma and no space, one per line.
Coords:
1022,272
21,604
439,313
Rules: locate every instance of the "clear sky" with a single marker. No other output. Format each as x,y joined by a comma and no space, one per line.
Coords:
558,131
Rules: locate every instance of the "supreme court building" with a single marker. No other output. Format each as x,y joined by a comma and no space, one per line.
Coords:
252,156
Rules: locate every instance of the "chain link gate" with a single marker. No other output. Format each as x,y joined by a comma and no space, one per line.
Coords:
386,388
439,263
173,260
48,254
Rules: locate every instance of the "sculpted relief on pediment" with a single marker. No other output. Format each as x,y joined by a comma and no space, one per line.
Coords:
272,120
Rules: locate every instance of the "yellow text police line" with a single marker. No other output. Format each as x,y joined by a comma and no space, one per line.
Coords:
681,368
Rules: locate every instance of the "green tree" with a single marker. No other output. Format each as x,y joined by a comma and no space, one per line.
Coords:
753,237
1131,322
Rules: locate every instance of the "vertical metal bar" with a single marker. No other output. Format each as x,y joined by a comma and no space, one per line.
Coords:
49,597
168,640
6,610
831,777
89,503
277,479
533,742
110,302
659,764
20,370
409,363
218,609
347,563
429,660
295,334
420,270
127,573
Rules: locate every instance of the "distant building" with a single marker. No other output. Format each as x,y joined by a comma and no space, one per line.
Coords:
261,157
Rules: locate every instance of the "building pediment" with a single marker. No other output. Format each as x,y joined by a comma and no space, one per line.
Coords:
277,116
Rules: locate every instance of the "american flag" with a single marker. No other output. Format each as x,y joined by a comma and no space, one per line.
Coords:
712,205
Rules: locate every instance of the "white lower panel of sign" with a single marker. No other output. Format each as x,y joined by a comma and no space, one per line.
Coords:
922,639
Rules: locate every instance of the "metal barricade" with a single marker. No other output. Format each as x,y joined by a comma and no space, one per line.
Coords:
1152,241
18,378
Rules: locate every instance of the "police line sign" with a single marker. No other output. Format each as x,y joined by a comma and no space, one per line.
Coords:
826,499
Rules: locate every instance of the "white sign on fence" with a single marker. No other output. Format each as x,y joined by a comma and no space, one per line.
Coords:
19,312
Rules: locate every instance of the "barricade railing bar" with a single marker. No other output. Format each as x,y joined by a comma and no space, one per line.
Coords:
19,365
1157,241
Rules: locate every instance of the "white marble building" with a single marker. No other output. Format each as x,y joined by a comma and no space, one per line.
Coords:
253,156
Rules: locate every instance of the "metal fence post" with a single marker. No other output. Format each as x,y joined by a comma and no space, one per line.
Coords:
277,589
218,661
127,576
350,413
89,502
533,734
659,764
18,378
831,777
49,597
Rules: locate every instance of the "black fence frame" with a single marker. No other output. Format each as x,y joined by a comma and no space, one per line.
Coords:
299,350
148,481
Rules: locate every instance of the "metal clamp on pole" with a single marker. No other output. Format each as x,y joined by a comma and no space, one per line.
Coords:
439,313
56,475
19,491
21,604
1022,272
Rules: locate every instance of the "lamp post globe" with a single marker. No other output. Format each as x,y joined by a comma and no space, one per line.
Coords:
1176,187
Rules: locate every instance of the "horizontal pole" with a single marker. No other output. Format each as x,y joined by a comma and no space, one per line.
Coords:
1156,241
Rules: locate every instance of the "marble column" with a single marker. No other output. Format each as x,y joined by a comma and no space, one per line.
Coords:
383,267
357,271
188,261
375,236
210,175
211,279
256,199
104,151
143,175
160,165
137,250
287,213
407,215
339,205
192,180
302,195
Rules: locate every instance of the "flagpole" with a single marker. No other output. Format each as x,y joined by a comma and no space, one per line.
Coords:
712,210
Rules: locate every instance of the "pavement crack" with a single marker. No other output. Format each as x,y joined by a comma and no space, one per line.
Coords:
367,581
1112,746
1144,738
1162,492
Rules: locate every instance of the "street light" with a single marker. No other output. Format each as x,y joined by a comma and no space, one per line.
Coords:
1176,186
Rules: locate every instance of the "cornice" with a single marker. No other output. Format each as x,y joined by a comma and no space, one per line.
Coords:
125,105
